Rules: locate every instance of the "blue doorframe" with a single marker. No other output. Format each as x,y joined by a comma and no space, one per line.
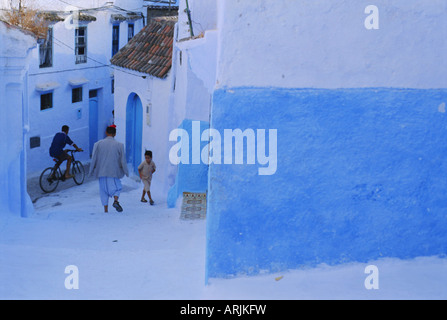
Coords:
134,131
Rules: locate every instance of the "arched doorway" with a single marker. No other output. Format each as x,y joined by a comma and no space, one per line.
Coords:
134,131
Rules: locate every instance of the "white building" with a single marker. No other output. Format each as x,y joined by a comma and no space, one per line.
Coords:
195,61
70,79
360,134
359,111
194,66
162,104
144,86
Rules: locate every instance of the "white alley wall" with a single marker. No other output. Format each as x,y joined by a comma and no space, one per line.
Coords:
360,120
154,93
14,60
203,17
194,61
194,69
308,47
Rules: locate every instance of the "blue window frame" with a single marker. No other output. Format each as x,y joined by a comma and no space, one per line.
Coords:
115,39
81,44
130,31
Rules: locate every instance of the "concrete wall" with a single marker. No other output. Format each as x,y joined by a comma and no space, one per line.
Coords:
360,120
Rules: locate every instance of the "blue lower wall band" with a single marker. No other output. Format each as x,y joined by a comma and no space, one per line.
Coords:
361,174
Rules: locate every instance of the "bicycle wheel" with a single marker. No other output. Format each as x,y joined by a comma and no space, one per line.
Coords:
78,172
47,182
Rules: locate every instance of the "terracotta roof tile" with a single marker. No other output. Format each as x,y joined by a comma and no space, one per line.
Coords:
149,51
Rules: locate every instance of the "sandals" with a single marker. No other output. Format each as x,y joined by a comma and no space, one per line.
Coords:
151,201
117,206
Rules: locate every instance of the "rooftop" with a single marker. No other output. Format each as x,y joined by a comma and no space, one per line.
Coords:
149,51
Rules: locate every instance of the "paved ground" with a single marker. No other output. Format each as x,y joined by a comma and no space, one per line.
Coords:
35,192
149,252
145,252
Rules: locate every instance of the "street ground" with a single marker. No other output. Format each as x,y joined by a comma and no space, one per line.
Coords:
148,252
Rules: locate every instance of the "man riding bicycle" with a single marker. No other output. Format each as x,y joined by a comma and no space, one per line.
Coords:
60,140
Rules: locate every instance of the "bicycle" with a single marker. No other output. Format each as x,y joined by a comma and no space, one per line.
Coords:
50,177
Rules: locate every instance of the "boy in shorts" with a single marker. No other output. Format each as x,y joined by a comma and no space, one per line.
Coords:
146,169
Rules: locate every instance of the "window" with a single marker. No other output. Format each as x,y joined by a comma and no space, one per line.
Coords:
130,31
34,142
81,44
93,94
76,95
46,101
115,39
46,51
113,85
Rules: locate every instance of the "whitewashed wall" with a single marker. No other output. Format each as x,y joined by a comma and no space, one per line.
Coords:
195,72
325,44
203,17
156,92
14,60
360,118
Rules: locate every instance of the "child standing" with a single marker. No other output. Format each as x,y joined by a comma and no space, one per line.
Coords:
146,169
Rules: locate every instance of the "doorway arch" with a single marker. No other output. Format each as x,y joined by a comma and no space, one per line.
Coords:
134,131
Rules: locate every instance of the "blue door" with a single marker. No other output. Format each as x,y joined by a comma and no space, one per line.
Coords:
93,119
134,131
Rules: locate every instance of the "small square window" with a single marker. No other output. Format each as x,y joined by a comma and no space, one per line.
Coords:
76,95
93,94
46,101
34,142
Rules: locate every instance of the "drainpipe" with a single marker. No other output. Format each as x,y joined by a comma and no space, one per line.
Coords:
144,19
188,12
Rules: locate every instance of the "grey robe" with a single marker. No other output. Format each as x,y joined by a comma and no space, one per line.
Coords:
108,159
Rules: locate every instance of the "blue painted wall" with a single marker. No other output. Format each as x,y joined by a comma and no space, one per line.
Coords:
190,177
362,174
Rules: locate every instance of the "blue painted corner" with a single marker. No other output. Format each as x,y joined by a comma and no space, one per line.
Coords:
190,177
